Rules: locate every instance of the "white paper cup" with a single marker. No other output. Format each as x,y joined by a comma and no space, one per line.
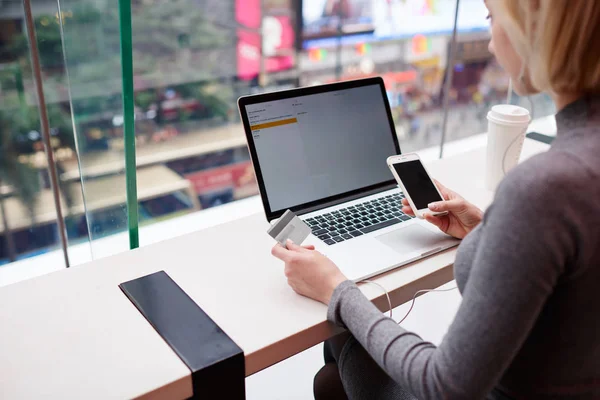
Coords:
507,125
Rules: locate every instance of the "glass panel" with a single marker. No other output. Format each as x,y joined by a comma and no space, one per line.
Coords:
28,225
194,58
479,83
406,42
190,144
92,87
542,111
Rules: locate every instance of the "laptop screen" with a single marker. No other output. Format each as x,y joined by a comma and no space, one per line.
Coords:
316,146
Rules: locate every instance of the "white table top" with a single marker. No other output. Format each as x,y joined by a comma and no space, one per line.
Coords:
73,334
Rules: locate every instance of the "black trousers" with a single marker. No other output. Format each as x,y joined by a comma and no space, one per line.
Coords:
351,373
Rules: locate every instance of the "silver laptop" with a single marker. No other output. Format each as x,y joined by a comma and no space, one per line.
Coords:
321,152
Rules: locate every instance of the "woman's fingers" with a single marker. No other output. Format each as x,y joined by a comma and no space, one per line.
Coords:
295,248
440,222
282,253
286,254
432,219
446,193
408,211
406,208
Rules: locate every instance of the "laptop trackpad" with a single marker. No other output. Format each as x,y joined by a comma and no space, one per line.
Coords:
410,239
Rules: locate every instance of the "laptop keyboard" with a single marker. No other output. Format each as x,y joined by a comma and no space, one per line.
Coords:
350,222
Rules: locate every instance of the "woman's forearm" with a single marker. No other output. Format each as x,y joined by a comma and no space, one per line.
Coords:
515,268
396,350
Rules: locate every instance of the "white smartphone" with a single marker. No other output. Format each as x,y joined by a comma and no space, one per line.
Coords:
415,182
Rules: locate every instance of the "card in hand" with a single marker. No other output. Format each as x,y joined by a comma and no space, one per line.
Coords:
289,226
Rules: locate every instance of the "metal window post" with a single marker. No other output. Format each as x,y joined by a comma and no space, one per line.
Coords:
449,77
39,88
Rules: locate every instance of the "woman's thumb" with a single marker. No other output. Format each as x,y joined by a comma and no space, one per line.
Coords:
293,246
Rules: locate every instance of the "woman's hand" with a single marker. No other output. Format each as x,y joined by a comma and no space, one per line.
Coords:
462,216
309,272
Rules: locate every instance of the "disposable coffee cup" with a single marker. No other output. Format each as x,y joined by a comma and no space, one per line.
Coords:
507,125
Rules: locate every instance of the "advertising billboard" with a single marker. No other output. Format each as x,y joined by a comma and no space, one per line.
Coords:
267,37
372,20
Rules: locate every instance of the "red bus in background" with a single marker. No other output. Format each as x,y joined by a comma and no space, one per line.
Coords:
219,178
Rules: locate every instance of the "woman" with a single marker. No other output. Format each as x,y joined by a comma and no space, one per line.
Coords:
528,269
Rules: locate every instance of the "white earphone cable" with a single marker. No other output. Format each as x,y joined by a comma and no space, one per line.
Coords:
385,291
413,299
531,113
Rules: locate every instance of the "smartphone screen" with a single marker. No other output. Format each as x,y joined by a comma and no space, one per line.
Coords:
417,183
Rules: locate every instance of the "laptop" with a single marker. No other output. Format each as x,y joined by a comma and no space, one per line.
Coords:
321,151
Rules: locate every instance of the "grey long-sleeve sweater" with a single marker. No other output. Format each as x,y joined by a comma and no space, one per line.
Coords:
529,275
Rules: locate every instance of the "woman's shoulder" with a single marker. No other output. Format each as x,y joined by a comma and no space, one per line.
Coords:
550,198
553,177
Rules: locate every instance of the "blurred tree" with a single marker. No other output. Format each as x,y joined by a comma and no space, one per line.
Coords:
23,121
49,42
19,135
214,97
145,98
169,38
11,80
167,26
166,33
20,176
49,37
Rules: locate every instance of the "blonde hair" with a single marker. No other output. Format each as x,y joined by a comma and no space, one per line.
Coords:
558,41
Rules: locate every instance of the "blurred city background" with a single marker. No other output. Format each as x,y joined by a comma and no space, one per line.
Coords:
192,60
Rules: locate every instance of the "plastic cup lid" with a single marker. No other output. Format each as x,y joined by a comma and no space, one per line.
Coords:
509,114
